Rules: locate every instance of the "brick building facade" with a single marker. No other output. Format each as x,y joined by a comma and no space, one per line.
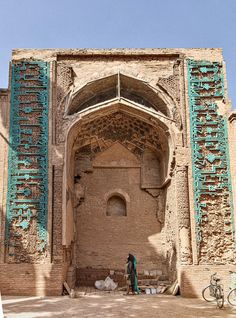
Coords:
106,152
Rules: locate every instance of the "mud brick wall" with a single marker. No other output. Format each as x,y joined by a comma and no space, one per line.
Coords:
194,278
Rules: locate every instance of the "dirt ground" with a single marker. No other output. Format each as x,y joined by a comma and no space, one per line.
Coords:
112,305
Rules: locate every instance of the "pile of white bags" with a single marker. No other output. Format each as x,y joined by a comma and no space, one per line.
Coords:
107,284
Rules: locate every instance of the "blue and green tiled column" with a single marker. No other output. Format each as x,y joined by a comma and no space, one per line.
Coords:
210,164
27,199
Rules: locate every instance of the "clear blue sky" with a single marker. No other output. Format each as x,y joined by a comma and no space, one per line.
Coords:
119,24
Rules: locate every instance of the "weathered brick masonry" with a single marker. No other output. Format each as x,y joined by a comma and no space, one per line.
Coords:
106,152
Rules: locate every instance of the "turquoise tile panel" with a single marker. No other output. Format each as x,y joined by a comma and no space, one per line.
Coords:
27,198
210,164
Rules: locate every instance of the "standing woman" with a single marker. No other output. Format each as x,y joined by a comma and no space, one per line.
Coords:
131,266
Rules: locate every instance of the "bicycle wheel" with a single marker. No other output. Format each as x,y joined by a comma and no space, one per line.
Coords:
219,297
232,297
208,293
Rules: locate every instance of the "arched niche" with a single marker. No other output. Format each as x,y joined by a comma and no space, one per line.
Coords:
92,133
116,206
102,100
121,115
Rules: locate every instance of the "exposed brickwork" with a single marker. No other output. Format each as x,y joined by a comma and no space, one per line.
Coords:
135,144
57,249
194,278
32,279
104,240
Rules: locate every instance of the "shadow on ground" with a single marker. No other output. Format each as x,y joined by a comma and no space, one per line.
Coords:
112,306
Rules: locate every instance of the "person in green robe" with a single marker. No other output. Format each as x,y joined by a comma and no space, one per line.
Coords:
131,270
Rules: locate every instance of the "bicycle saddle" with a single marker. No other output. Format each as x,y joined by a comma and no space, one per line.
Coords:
217,279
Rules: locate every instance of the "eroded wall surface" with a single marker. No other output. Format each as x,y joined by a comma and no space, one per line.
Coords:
26,226
104,240
214,214
53,212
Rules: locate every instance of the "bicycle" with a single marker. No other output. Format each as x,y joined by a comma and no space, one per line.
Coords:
231,298
214,291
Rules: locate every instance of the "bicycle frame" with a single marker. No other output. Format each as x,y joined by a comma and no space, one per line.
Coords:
215,291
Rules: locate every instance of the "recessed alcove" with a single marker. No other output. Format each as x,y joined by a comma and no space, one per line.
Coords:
122,155
116,206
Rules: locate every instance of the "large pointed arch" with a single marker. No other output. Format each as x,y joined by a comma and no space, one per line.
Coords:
79,135
115,87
